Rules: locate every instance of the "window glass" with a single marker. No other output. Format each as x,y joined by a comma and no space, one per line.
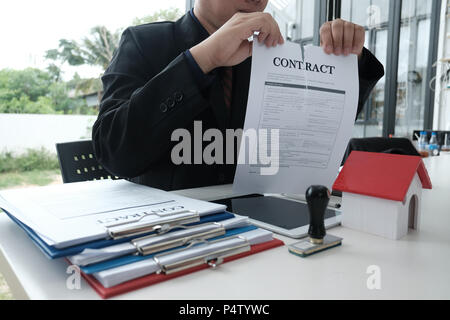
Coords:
375,106
346,9
307,18
367,39
413,59
404,50
294,17
373,15
422,38
408,8
381,47
423,7
380,10
284,12
412,67
359,11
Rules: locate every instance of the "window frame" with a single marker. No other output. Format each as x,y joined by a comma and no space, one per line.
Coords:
394,24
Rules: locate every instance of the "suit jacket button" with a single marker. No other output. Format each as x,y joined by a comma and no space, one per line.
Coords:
171,103
178,96
163,107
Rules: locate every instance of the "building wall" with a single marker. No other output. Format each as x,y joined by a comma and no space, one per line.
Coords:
19,132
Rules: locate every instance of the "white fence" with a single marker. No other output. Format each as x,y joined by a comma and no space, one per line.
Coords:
19,132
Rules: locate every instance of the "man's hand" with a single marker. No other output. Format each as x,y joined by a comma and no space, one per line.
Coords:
229,46
342,37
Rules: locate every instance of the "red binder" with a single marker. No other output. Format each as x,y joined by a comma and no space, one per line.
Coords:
152,279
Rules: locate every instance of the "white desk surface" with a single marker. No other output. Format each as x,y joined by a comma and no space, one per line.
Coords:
416,267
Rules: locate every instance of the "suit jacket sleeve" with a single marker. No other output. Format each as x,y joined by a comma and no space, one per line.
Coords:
370,71
142,106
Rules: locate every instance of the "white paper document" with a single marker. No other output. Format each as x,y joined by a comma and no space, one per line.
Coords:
75,213
310,102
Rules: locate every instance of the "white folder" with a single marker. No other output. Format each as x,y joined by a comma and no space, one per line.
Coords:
116,276
91,256
76,213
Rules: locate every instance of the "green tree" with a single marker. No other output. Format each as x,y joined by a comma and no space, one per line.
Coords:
14,105
59,95
55,72
36,91
21,90
171,14
98,49
95,50
30,82
43,105
84,86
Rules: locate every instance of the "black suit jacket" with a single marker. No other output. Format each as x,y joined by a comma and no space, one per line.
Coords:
150,90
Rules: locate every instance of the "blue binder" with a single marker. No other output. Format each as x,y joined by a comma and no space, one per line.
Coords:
53,253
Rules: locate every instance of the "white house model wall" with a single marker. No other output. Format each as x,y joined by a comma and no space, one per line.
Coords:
385,218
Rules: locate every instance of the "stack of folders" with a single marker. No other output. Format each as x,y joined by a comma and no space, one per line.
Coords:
125,236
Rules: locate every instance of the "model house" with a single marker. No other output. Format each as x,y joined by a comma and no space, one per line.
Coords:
381,193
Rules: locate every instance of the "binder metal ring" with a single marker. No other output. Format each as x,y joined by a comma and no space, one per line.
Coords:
161,226
212,259
144,249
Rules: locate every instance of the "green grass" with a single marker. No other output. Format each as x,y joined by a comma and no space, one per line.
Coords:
31,160
34,167
35,178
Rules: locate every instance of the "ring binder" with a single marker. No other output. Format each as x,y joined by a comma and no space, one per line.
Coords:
164,225
148,245
212,259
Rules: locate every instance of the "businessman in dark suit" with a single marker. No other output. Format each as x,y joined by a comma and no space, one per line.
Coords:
166,75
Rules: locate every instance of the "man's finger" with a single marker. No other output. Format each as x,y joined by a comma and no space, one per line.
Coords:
277,33
326,39
358,40
349,33
269,41
262,36
268,28
337,30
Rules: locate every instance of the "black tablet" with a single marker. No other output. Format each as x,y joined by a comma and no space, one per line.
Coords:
280,215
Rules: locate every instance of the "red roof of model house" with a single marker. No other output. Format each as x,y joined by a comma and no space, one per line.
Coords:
381,175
